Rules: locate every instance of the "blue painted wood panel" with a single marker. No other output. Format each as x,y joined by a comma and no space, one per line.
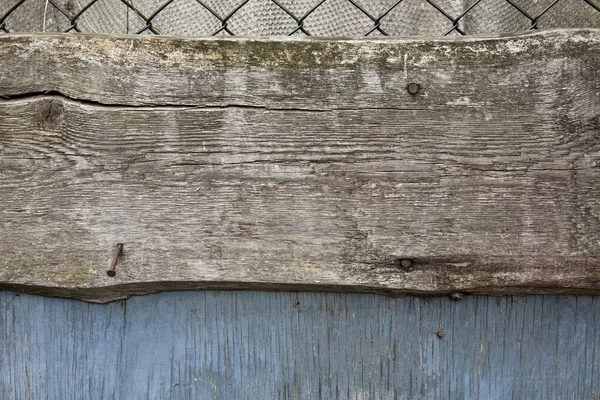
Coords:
256,345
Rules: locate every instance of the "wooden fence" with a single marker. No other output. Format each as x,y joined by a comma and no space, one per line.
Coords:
393,166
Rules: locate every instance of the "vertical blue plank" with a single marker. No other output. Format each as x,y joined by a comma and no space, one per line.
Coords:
59,349
248,345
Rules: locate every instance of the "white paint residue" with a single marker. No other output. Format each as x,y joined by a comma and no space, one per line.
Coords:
461,101
349,60
426,59
372,81
518,46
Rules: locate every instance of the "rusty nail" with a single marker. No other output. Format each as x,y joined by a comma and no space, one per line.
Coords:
111,271
406,263
440,333
413,88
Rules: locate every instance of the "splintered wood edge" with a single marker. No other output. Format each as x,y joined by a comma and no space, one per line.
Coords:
155,75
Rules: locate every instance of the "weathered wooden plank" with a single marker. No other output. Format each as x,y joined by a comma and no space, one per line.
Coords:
249,345
300,164
305,73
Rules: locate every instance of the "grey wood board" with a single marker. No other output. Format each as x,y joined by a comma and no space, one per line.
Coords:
306,73
300,164
260,345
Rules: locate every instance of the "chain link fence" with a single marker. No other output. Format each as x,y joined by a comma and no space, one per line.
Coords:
296,17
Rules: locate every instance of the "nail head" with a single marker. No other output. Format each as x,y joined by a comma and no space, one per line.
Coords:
413,88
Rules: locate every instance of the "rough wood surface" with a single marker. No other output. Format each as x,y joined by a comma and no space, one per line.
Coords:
255,345
300,164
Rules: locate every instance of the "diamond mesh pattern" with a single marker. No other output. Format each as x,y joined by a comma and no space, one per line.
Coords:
296,17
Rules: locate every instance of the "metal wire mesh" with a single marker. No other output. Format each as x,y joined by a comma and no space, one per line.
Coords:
296,17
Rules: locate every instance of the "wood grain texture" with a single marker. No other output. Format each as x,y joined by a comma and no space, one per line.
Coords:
257,345
300,164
